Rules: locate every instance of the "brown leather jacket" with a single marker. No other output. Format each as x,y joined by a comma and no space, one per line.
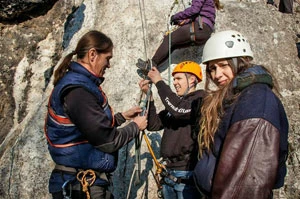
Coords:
248,162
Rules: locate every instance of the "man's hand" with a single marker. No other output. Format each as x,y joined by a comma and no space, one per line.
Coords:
144,85
141,121
154,75
132,112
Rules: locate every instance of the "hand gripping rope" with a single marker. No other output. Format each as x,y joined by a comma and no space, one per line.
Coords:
138,138
160,168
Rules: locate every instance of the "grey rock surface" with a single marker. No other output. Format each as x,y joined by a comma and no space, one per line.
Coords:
30,50
21,10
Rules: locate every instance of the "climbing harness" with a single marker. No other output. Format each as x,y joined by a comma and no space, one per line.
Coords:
87,179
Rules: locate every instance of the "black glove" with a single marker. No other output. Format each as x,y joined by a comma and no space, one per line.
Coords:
173,21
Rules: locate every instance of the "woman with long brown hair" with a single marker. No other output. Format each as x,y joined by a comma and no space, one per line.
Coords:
243,126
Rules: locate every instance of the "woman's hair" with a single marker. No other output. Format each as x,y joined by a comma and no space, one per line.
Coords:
212,109
92,39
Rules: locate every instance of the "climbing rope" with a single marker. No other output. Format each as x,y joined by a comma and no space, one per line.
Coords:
159,167
169,33
138,138
170,40
145,106
144,26
87,179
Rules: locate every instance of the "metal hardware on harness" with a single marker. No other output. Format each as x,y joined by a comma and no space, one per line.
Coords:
166,174
71,170
64,190
200,22
192,32
160,193
165,161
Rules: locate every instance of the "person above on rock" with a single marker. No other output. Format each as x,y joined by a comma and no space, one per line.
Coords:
243,126
285,6
195,25
179,122
81,130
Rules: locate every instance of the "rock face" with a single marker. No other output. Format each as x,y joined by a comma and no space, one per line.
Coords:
30,50
21,10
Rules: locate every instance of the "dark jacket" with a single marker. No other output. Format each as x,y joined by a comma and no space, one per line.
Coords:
250,147
204,8
179,141
80,128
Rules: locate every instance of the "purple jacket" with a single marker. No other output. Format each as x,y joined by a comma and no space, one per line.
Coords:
204,8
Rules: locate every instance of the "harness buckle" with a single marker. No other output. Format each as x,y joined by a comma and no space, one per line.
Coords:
64,189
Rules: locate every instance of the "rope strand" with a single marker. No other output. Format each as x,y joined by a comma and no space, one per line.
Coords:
144,26
87,179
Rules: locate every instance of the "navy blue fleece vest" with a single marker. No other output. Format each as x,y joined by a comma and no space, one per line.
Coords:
65,142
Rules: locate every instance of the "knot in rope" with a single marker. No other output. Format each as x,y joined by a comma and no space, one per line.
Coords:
159,170
87,179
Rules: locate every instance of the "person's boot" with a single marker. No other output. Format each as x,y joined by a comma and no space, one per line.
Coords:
143,65
143,73
271,2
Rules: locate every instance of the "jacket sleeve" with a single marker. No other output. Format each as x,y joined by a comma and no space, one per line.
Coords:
123,136
154,120
248,162
89,117
191,11
119,119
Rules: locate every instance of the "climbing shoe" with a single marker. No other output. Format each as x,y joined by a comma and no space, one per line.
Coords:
143,65
143,74
271,2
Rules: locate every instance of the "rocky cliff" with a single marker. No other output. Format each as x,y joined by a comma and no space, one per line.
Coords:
35,35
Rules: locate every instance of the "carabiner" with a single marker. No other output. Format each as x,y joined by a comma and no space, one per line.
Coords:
64,190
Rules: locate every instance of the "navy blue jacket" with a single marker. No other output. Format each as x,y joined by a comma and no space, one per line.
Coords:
250,147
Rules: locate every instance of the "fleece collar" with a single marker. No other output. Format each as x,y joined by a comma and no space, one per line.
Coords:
252,75
78,68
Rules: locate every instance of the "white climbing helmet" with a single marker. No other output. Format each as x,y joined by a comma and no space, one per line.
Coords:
226,44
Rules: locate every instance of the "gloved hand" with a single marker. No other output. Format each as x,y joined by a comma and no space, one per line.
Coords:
173,21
